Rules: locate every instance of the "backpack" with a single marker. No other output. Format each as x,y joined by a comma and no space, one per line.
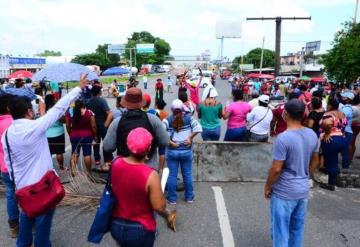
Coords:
130,120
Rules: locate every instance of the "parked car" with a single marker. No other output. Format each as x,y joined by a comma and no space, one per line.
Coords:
206,80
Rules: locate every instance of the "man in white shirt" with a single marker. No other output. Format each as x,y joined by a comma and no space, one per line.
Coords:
31,157
145,81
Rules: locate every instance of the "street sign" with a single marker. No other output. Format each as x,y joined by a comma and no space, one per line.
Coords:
312,46
116,49
145,48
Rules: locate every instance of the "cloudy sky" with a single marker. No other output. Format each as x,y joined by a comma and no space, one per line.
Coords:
77,26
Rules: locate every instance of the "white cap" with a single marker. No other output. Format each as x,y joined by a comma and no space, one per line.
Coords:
213,93
177,105
264,98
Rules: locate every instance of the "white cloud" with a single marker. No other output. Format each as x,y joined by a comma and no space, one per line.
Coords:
77,26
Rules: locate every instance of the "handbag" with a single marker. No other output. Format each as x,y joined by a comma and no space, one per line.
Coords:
102,220
248,131
41,197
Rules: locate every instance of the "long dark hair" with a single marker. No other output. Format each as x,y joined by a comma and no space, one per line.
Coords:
79,104
178,122
49,101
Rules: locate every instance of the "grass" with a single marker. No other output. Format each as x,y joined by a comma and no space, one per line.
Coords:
109,79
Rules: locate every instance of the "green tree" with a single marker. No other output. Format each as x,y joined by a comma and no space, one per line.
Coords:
162,49
254,57
48,53
99,57
342,62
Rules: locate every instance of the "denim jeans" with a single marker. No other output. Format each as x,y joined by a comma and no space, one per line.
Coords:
258,138
331,150
131,234
42,225
101,133
345,153
287,221
11,204
211,134
235,135
174,158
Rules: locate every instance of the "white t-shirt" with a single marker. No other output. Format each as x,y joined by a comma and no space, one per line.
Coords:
263,127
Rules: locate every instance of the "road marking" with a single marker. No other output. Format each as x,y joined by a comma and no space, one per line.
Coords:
227,236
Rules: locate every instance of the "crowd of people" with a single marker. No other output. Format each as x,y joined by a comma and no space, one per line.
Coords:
311,124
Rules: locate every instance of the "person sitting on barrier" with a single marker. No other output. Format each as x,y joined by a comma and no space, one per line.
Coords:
210,113
182,129
236,113
259,120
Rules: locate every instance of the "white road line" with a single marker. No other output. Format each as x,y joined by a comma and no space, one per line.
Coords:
227,236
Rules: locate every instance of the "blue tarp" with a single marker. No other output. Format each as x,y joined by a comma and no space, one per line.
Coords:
116,71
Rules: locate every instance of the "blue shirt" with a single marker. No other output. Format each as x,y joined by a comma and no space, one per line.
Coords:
348,111
295,148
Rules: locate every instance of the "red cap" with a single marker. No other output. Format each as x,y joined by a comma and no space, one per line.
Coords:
147,98
139,141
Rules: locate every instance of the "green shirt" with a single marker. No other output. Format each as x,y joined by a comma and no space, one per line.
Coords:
209,116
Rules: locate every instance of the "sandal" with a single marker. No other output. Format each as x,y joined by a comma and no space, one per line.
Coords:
171,220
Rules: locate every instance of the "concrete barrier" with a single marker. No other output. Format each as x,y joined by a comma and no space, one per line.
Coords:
231,161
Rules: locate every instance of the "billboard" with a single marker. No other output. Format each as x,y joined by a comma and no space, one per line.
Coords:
26,60
228,29
246,66
145,48
312,46
116,49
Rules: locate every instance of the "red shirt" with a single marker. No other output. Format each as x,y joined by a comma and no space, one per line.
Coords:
129,188
83,128
280,122
159,86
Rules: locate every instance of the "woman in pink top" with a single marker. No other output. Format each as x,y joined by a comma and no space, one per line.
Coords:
11,204
137,191
236,114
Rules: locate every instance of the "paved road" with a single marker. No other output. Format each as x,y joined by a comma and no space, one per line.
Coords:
333,218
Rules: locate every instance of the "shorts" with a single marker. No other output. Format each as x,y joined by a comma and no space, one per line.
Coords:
57,144
81,142
162,150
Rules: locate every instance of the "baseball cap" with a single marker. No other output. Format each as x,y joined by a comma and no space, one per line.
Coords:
139,141
348,94
177,105
147,98
264,98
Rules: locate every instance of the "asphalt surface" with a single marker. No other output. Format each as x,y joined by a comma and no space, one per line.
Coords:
333,218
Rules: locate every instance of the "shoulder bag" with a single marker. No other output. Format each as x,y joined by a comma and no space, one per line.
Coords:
38,198
248,131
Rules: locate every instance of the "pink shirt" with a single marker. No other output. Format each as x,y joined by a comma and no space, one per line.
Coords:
5,122
238,111
194,93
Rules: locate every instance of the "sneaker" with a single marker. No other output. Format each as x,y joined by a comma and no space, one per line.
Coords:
14,231
328,187
171,203
190,201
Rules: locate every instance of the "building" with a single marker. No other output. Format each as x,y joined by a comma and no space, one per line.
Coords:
9,64
4,66
291,59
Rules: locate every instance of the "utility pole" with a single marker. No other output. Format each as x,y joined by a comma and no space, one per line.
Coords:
262,55
302,62
278,21
356,11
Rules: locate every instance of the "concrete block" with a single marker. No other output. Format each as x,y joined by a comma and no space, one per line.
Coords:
231,161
